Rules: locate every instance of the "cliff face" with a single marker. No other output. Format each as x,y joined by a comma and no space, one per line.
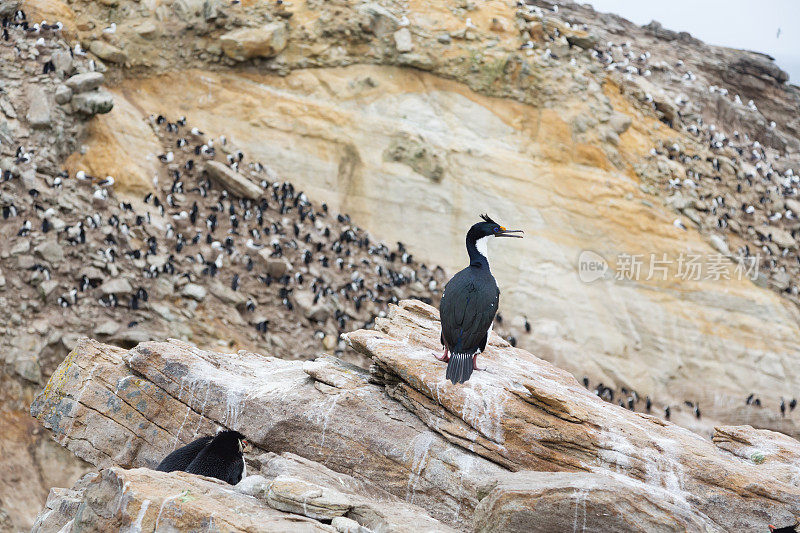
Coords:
588,132
416,129
474,456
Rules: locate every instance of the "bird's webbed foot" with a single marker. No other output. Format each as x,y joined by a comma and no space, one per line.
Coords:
445,357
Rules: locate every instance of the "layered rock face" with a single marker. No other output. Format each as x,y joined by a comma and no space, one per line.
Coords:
521,446
293,495
395,120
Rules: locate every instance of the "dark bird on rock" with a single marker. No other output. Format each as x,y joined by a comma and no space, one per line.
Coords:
219,457
469,303
785,529
180,459
222,458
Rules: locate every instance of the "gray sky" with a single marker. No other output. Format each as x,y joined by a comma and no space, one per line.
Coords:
748,24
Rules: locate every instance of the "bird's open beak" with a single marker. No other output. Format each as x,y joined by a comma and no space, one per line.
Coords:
246,446
509,233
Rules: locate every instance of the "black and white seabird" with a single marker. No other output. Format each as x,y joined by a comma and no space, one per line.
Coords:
469,303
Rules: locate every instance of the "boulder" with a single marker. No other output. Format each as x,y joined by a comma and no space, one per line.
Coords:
793,205
668,110
298,496
22,246
376,19
582,40
266,41
232,180
63,94
39,108
107,51
194,291
87,81
418,436
227,295
107,327
365,503
93,103
620,123
46,288
116,286
50,251
402,40
275,266
146,29
62,61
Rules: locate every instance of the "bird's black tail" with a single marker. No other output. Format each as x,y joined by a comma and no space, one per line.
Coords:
459,367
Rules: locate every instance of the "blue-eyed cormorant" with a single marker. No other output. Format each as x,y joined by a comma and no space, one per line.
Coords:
469,303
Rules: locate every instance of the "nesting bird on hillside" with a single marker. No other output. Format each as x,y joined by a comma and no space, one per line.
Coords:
469,303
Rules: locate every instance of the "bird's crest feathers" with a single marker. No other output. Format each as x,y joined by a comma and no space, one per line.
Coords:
486,218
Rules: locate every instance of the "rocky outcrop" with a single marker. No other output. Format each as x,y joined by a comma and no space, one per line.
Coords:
448,449
290,494
247,43
320,399
591,502
233,181
145,500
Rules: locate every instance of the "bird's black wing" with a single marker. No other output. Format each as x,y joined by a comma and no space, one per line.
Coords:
468,306
214,463
182,457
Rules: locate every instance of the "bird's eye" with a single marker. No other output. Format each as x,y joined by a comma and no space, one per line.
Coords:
496,229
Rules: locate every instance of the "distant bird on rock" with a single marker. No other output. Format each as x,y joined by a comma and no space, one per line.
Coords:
785,529
469,303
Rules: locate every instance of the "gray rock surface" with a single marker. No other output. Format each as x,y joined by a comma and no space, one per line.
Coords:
39,108
246,43
116,286
93,102
402,40
232,180
87,81
194,291
107,51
